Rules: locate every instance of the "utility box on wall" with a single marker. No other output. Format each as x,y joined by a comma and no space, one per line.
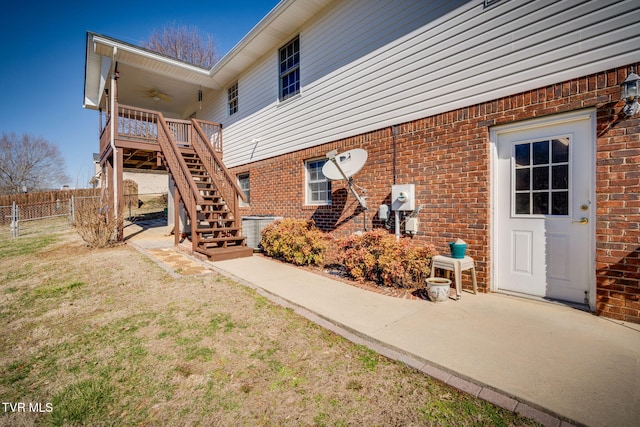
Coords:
403,197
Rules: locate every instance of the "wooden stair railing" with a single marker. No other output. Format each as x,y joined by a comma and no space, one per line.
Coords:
180,172
223,179
220,226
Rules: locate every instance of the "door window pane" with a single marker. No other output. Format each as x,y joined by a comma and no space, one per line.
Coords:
522,154
560,150
560,177
541,203
540,153
522,179
522,204
541,178
560,203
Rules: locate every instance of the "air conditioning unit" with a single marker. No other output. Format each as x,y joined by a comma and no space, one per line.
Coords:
252,227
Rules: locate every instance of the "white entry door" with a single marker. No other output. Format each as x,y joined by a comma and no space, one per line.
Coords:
544,209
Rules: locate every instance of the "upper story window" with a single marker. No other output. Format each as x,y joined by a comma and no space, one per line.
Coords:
232,99
318,186
244,183
290,69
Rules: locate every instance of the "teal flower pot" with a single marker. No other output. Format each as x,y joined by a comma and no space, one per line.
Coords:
458,250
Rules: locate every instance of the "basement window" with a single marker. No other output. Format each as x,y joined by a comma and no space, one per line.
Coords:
289,70
318,186
244,183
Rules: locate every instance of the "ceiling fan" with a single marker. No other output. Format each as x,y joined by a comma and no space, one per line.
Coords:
156,95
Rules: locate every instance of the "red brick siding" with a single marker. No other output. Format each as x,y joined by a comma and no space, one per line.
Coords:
618,208
447,157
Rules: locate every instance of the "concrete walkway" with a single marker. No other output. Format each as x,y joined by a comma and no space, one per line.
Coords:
549,362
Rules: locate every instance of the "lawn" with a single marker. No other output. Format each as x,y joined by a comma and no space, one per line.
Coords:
107,337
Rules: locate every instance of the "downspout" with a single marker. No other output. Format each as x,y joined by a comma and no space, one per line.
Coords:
395,160
112,124
395,151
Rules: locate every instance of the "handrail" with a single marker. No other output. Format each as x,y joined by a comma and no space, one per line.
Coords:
177,166
212,133
215,167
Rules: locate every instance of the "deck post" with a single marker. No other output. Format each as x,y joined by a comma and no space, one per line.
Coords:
195,222
176,214
110,183
119,190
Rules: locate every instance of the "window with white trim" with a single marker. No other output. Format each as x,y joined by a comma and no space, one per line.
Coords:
289,69
232,99
244,184
318,186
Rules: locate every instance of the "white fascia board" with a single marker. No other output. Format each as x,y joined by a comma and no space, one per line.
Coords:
125,47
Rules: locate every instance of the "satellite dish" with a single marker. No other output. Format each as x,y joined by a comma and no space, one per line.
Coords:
345,165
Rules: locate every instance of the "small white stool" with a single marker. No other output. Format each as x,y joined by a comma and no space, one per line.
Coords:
457,265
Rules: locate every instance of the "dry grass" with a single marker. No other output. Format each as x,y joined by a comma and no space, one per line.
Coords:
106,337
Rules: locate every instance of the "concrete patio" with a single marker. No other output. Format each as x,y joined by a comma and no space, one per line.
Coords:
547,361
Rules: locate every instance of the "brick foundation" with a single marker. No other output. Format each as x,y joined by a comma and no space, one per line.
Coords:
447,157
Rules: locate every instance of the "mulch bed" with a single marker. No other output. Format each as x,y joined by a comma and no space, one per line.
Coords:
336,274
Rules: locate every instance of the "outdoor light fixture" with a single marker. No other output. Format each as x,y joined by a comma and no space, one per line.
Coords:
200,97
629,91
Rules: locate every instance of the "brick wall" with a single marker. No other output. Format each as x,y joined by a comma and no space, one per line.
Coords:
447,157
618,208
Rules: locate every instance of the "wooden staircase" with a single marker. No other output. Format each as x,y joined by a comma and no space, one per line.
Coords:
215,227
208,191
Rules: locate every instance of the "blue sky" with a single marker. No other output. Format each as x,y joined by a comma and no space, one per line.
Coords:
43,54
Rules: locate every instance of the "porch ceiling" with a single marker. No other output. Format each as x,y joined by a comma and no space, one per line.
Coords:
136,86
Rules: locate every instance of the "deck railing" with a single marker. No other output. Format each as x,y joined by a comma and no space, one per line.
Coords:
137,124
140,125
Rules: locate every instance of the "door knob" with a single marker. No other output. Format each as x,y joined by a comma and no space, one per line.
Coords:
583,220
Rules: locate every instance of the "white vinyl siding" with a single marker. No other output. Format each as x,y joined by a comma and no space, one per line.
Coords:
369,64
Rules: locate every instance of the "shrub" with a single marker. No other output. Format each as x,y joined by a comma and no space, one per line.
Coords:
377,256
295,241
94,223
